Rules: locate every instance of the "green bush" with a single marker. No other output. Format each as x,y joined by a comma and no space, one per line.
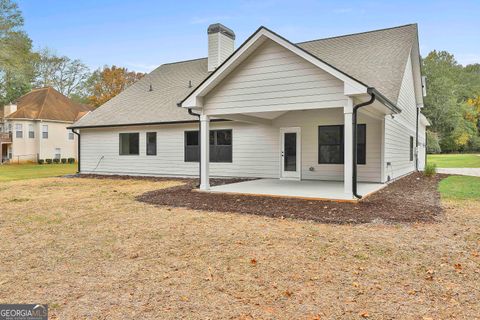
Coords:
71,160
48,161
430,170
41,161
433,145
64,160
56,160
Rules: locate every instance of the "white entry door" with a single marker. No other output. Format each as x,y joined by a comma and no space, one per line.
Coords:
290,140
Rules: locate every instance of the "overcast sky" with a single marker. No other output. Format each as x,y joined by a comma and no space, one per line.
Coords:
143,34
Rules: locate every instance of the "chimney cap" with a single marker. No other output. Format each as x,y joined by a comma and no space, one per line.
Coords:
218,27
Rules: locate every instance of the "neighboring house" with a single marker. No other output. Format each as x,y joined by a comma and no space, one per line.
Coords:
35,127
269,109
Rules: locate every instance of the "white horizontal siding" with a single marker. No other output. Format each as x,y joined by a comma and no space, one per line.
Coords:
399,129
256,149
273,78
310,120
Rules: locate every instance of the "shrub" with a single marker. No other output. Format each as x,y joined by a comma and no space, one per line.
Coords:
433,145
430,170
64,160
56,160
41,161
71,160
48,161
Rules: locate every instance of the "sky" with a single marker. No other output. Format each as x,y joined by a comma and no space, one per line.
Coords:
144,34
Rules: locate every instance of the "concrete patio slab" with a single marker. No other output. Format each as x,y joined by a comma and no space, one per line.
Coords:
312,189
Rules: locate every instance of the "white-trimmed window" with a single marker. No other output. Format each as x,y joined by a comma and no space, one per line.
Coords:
19,131
45,131
129,143
31,131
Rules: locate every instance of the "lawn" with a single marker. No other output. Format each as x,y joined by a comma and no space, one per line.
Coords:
90,250
455,160
11,172
460,188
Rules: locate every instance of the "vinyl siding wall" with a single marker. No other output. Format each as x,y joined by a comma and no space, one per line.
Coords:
27,149
256,150
399,130
274,79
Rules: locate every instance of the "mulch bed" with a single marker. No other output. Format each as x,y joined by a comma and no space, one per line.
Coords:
413,198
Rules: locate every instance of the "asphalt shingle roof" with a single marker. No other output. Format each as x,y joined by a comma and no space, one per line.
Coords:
376,58
48,104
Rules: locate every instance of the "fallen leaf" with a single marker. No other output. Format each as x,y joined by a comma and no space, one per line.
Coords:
458,266
288,293
253,262
365,314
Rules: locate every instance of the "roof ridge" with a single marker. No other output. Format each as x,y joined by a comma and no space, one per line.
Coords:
359,33
183,61
43,103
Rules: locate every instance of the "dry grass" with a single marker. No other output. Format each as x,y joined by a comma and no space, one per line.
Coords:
89,250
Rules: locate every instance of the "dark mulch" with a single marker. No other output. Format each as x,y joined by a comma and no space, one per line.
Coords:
411,199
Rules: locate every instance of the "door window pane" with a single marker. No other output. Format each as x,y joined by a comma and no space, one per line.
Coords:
290,151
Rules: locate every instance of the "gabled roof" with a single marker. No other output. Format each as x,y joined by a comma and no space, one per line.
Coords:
376,59
48,104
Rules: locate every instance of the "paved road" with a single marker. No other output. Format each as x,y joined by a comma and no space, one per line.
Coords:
475,172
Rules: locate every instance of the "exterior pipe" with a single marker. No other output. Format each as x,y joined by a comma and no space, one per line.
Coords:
78,150
190,112
354,133
416,140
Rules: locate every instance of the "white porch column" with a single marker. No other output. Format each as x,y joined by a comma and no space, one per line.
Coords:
348,146
204,152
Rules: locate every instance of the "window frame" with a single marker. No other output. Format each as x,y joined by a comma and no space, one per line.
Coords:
31,133
147,143
342,144
185,145
18,133
411,148
211,146
216,145
120,143
44,132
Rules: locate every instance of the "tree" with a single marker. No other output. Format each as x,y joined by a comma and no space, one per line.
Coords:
16,69
450,100
60,72
107,83
432,143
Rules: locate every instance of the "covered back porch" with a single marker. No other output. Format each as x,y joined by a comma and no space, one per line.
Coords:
308,110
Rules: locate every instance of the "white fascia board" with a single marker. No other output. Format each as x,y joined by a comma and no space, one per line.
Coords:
351,86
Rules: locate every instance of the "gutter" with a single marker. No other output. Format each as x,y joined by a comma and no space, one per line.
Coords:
416,140
78,150
354,134
190,112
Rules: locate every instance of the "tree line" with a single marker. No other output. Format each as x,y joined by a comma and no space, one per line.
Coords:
23,69
452,104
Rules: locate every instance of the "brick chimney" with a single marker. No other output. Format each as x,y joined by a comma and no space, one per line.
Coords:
221,44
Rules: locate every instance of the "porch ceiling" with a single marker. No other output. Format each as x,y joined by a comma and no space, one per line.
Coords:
310,189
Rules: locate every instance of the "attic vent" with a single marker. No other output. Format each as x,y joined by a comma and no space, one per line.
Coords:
151,88
189,83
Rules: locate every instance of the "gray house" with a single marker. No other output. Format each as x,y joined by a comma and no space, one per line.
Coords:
272,109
